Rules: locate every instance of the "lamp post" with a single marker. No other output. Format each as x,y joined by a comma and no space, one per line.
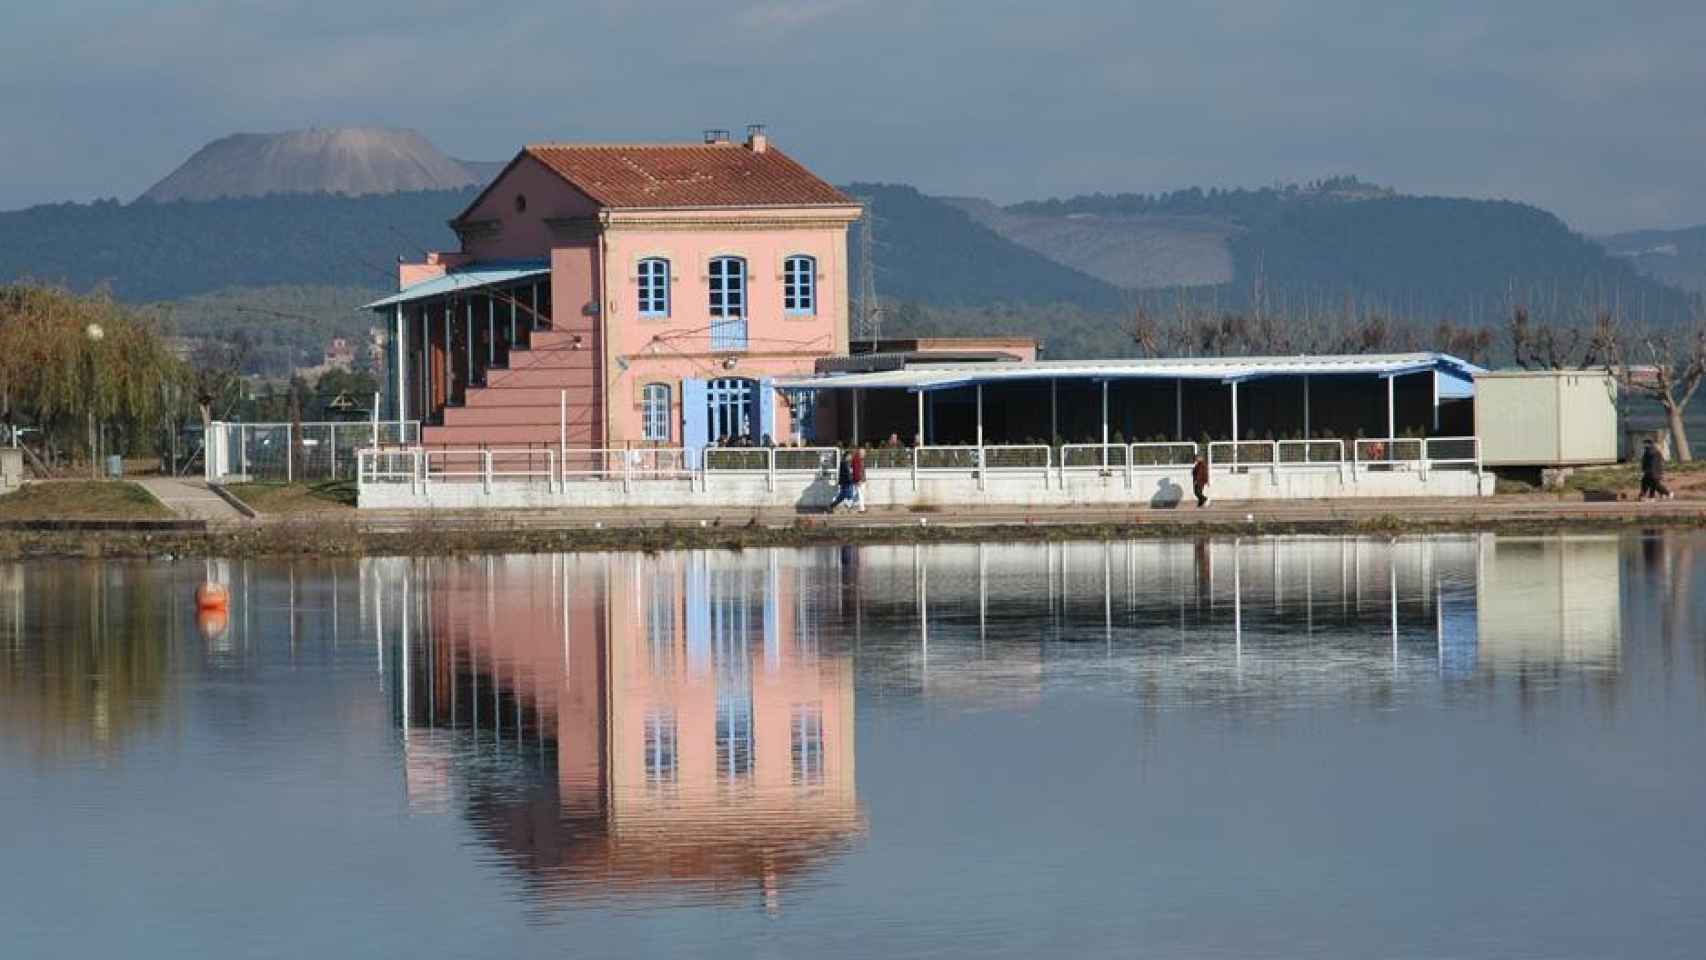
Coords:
96,334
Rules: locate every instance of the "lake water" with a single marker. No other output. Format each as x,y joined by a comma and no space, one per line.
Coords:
1469,746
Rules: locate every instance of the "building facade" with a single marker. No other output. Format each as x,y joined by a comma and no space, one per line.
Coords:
625,295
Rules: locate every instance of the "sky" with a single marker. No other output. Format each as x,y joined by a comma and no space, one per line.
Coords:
1592,110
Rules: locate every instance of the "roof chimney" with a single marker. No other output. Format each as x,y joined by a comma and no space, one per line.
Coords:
714,135
756,139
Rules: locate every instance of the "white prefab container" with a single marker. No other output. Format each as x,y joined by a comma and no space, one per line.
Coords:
1546,418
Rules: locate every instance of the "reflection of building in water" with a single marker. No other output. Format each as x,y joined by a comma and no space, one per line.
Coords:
1550,600
991,618
631,721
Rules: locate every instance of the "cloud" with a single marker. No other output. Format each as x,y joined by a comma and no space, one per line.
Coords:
1573,104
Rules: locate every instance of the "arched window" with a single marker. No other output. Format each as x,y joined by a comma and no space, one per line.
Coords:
799,284
654,412
653,279
728,303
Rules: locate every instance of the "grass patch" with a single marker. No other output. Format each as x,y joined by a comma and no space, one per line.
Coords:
82,500
1626,478
330,496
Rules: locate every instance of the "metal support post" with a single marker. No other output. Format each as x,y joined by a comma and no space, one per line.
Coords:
856,395
1104,423
980,416
1053,411
1391,417
920,441
401,352
1306,433
1179,409
1234,420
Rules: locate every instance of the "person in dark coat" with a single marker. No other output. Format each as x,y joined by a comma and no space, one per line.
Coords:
1653,473
856,472
1199,481
844,492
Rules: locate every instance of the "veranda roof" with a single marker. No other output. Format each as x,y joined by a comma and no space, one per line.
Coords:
467,279
1456,374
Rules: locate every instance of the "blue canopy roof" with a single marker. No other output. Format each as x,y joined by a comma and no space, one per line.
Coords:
496,273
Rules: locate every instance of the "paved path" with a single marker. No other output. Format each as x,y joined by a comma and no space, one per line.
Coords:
190,499
1417,510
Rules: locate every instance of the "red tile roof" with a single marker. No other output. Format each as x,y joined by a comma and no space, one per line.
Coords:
685,175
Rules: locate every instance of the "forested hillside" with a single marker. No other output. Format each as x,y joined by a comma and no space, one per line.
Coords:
1677,257
162,251
930,251
290,269
1318,245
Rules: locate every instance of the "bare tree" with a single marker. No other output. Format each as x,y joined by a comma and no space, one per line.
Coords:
1555,346
1665,363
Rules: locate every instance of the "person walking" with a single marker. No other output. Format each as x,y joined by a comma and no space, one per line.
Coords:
1653,473
843,483
857,471
1199,481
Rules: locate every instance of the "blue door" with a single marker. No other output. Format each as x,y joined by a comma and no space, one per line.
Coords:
694,427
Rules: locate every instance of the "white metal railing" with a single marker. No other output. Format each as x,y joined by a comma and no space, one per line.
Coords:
1386,454
807,460
1099,459
388,466
1243,454
560,467
1152,455
1318,452
1447,453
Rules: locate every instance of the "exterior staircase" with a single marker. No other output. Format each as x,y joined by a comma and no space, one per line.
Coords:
519,405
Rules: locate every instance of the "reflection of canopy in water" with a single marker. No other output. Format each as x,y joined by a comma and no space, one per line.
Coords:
670,720
1001,608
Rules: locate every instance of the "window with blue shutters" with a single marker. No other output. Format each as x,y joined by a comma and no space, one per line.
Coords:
653,280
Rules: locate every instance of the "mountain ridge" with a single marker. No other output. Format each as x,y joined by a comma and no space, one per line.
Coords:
352,161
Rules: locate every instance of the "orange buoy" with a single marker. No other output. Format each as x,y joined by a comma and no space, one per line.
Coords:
211,622
212,596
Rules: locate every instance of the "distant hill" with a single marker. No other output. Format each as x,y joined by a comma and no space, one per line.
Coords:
351,160
1676,257
1319,245
1133,250
932,251
307,223
163,251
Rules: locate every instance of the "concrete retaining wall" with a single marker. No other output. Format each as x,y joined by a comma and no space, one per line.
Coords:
1150,487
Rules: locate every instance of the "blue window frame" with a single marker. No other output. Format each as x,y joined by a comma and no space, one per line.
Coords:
654,412
799,284
653,280
729,408
728,303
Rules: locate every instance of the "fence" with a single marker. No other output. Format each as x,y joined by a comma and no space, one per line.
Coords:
325,450
701,467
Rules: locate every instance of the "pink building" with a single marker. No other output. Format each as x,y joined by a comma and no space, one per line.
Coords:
663,287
